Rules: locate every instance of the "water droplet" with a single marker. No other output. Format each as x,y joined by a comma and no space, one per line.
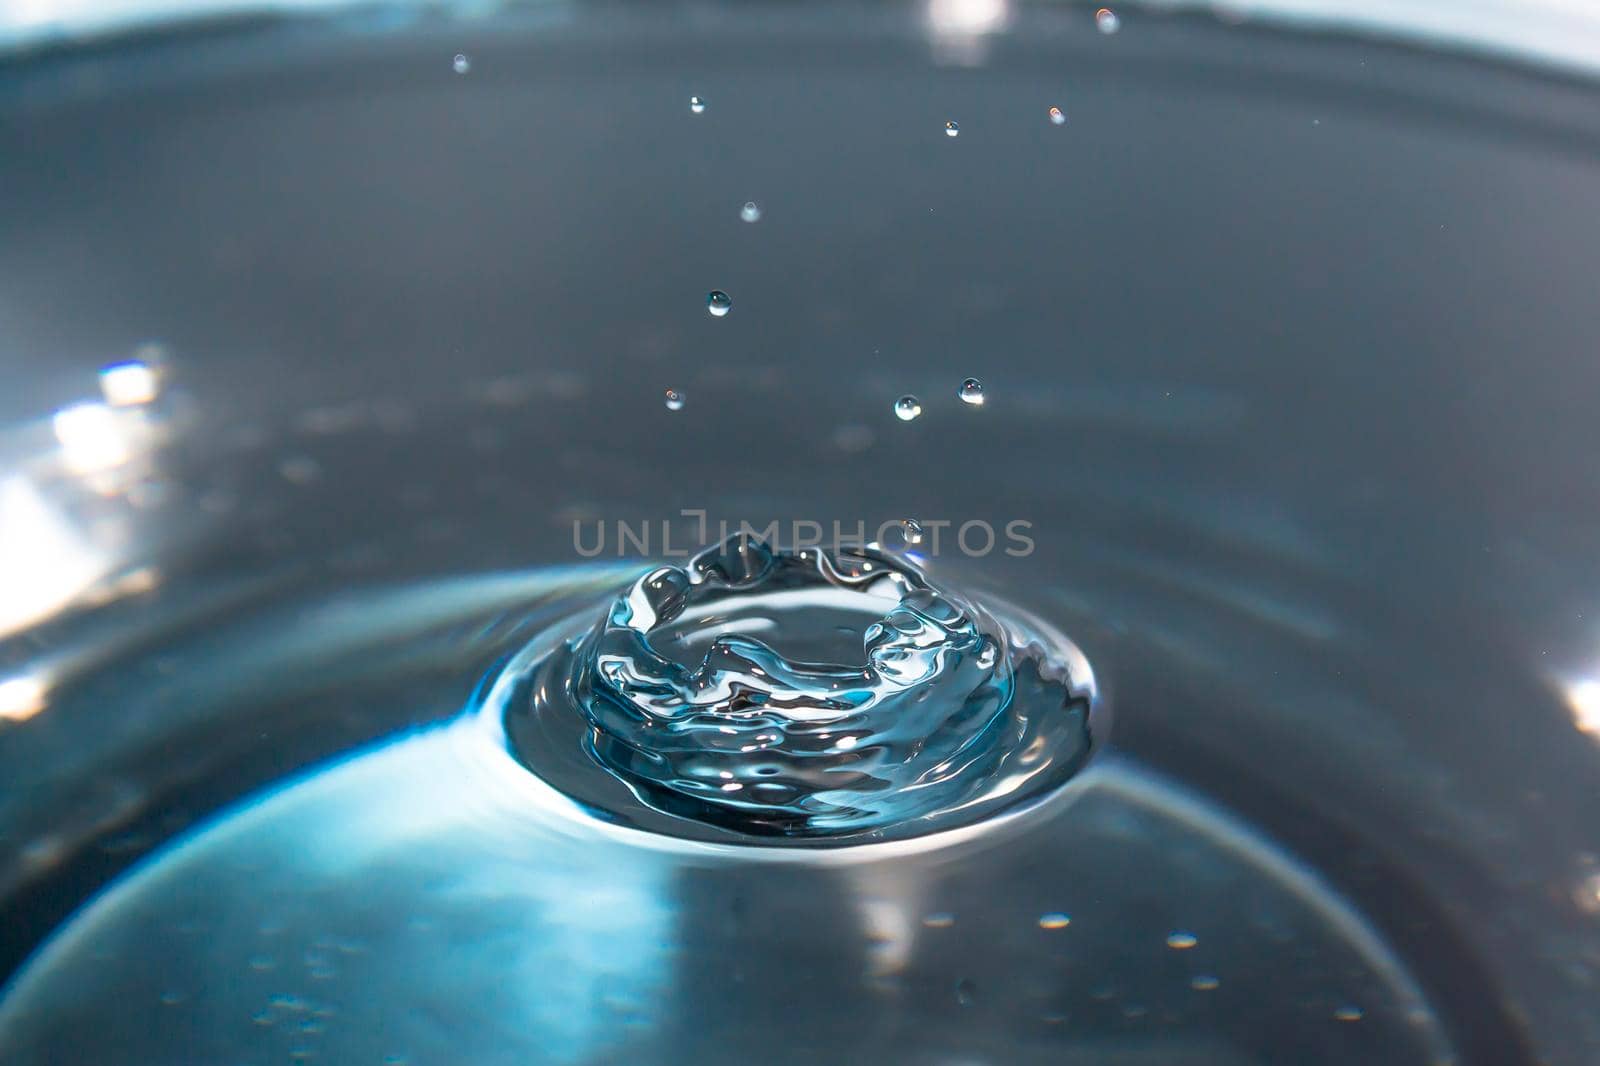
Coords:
719,303
697,104
1180,941
674,400
939,920
1203,982
971,392
907,408
1058,116
751,211
952,129
461,64
966,992
1054,920
924,688
1349,1013
1106,21
911,531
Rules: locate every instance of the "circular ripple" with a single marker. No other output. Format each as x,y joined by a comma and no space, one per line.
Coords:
806,696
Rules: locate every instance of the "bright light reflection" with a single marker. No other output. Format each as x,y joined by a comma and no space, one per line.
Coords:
967,17
45,563
960,29
1583,697
91,437
22,697
129,384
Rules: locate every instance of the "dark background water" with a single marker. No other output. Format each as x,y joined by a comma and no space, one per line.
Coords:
1289,347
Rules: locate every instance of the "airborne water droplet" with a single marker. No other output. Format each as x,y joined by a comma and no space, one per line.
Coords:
1106,21
911,531
907,408
696,104
1180,941
461,64
1058,116
952,129
971,392
751,211
674,400
719,303
966,992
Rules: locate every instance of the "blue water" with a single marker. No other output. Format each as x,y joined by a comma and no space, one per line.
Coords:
454,895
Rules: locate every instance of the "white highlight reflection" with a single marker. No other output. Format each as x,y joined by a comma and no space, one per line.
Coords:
23,697
129,384
959,28
45,562
91,437
1583,698
968,16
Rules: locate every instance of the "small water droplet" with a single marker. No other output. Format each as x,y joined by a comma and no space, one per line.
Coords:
939,920
674,400
952,129
907,408
1203,982
461,64
971,392
718,303
697,104
966,992
1058,116
1054,920
1106,21
911,531
751,211
1180,941
1349,1013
